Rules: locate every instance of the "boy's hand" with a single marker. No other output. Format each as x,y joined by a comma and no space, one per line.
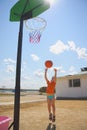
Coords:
46,69
55,69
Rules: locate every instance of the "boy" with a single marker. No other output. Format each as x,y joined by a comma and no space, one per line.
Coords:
51,94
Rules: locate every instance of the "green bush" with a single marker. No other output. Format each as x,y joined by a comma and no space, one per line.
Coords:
42,89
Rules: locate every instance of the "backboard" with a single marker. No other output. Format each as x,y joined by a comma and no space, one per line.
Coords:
28,9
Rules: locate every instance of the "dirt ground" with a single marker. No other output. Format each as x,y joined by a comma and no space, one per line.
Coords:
70,114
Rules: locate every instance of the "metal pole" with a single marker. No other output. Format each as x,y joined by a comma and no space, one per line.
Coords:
18,75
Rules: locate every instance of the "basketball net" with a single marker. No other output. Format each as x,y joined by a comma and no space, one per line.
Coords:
35,26
34,36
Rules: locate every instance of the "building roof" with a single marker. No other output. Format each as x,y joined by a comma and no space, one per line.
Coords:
80,74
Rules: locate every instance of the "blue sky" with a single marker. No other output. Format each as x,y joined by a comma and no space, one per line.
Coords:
64,41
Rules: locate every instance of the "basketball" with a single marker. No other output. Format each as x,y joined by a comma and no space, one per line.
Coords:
48,63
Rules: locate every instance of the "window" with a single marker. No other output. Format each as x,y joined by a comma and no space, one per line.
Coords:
74,83
70,83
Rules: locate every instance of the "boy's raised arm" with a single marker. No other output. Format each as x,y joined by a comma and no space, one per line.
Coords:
55,74
46,74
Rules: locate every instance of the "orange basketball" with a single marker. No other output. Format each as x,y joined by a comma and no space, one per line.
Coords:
48,63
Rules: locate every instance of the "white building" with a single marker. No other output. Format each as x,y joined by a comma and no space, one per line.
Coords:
72,86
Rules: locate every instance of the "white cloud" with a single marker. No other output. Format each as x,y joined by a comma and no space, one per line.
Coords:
38,73
25,78
34,57
72,70
10,68
72,45
8,82
59,69
9,61
82,53
59,47
10,65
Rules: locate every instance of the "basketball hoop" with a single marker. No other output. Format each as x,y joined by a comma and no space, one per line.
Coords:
35,26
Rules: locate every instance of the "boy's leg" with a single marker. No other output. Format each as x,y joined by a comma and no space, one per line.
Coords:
53,108
49,108
49,105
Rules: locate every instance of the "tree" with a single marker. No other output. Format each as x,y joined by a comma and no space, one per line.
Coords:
42,89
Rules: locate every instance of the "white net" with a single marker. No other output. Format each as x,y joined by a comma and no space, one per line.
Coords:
35,26
34,36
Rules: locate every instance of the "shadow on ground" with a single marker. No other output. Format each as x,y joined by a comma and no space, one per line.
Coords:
51,127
